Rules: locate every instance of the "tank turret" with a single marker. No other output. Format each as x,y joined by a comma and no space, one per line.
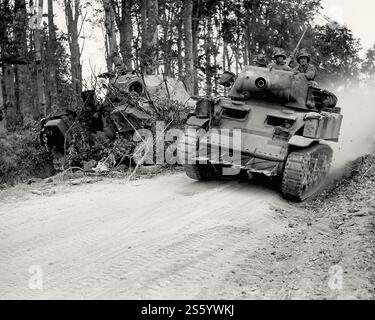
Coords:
282,87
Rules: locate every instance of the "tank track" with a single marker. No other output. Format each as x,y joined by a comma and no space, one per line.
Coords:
195,171
305,171
199,172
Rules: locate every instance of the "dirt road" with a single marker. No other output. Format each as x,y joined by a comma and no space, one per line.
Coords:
166,237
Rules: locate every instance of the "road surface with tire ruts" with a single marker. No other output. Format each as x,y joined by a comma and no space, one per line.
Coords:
167,237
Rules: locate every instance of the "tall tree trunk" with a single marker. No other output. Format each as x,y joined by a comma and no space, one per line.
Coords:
166,47
195,26
167,16
149,36
237,57
208,52
23,93
113,56
9,97
152,35
249,38
171,21
10,53
225,68
216,52
3,127
51,58
179,49
125,26
229,58
189,53
72,14
19,118
33,72
225,54
138,42
144,9
196,63
39,67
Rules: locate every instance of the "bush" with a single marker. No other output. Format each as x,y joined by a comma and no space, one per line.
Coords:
173,113
22,157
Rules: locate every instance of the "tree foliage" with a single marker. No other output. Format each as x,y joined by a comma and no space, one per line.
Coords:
336,53
368,66
192,40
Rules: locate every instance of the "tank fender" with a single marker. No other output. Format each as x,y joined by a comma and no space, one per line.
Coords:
302,142
194,121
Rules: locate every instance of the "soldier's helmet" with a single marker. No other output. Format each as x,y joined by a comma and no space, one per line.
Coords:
260,60
279,53
227,78
303,54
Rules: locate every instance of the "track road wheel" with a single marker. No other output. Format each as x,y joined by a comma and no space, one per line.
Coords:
305,171
201,172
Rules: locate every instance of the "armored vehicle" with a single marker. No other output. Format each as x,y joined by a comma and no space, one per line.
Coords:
282,121
127,106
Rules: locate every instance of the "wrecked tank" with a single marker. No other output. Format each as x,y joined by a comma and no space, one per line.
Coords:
124,109
56,131
127,106
127,113
282,123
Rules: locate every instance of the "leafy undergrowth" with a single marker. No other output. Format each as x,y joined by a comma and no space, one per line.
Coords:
22,157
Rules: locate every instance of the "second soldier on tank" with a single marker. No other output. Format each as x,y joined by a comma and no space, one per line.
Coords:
260,61
304,66
280,61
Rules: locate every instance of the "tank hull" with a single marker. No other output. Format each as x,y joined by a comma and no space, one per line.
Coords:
264,141
272,123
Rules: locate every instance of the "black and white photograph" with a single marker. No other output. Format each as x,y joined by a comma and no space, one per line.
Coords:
187,150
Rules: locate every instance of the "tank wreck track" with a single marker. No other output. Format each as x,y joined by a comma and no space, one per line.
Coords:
305,171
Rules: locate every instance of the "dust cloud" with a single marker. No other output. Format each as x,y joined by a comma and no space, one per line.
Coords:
357,136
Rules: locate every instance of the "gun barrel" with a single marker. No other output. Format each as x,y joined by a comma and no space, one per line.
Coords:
262,83
296,48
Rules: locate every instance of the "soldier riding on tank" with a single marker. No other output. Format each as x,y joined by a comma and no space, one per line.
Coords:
280,61
304,65
260,61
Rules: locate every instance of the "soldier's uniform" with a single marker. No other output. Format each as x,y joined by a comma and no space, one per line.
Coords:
309,70
279,65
